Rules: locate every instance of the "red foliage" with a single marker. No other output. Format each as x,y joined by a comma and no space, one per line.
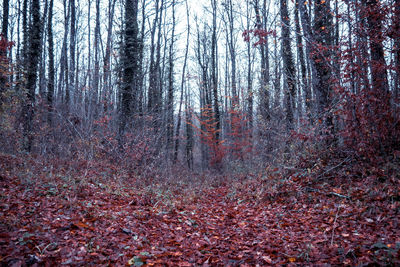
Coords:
208,135
241,143
258,33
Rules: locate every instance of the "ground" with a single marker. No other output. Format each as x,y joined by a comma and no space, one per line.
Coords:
49,218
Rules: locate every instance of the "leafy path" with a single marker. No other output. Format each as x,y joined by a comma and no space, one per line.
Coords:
49,224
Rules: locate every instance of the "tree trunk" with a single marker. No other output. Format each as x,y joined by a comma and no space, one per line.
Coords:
318,47
306,87
178,126
396,33
72,45
3,52
264,51
288,65
170,99
130,65
107,58
378,65
51,70
33,60
94,99
214,73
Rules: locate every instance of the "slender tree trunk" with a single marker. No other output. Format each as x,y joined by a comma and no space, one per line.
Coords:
94,99
107,57
42,63
153,75
178,126
51,69
189,132
170,99
214,72
306,87
278,74
63,74
264,51
72,45
249,73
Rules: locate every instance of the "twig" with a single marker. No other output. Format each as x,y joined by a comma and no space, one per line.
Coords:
334,167
338,195
334,225
311,189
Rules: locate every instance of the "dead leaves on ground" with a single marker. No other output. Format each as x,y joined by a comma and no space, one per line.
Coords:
42,225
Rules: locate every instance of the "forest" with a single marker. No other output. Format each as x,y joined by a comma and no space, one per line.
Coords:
199,133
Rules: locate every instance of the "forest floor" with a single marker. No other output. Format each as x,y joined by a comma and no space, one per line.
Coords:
50,217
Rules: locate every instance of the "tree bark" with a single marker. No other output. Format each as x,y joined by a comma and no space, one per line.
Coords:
306,87
51,69
170,99
264,51
288,65
3,52
130,65
33,60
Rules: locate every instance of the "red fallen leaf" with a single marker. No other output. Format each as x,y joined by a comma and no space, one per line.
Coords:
83,225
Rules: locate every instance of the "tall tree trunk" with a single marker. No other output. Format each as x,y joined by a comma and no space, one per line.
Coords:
318,47
214,71
396,33
306,87
232,49
94,99
170,99
63,74
3,52
378,65
51,69
323,30
33,60
130,65
154,68
264,51
288,65
178,125
72,45
107,58
42,63
249,73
